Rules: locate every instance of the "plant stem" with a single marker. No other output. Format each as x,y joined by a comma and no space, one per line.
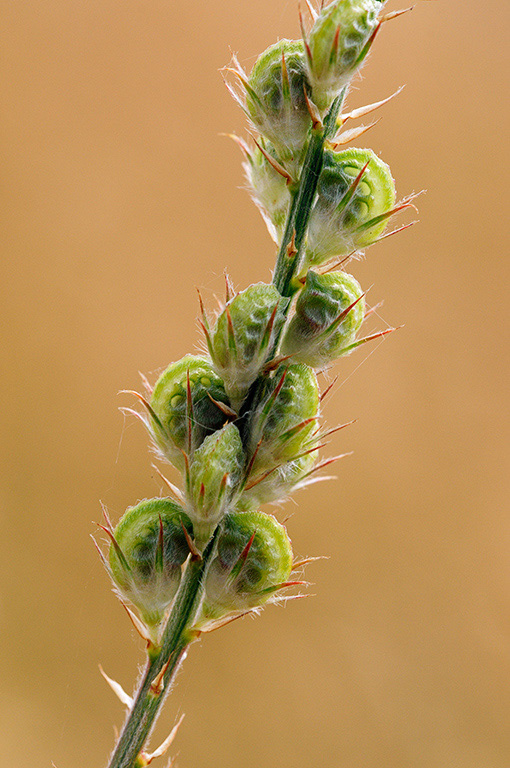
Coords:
290,254
176,638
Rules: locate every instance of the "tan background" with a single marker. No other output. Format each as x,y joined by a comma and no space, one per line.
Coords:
119,197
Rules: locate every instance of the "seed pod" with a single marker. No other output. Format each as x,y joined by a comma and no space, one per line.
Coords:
244,336
276,486
146,555
183,412
281,425
269,189
253,561
213,480
329,312
275,99
339,41
356,195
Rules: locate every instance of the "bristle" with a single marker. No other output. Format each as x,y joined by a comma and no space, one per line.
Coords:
148,388
369,312
313,13
145,403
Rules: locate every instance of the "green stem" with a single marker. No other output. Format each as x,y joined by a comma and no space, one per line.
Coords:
289,258
176,638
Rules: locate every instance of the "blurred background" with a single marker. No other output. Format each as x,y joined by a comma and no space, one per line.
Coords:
119,197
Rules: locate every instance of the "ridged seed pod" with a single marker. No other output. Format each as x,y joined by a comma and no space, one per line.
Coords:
339,41
282,424
356,195
146,555
276,98
183,412
329,312
213,480
244,336
253,561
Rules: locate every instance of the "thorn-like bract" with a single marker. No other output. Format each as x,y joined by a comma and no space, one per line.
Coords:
301,563
137,624
328,389
303,36
158,682
118,690
147,386
165,746
291,248
191,546
313,13
362,111
395,14
353,133
349,194
313,112
173,488
241,560
118,550
372,337
278,167
224,408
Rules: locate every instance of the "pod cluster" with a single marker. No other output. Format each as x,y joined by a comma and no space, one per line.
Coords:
241,422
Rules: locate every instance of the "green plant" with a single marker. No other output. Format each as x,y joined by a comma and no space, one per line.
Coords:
242,425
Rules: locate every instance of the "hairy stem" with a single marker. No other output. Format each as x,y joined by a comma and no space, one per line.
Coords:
177,635
175,640
291,248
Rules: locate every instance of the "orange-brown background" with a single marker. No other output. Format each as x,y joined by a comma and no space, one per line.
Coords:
119,197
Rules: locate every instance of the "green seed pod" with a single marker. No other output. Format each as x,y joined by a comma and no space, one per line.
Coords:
329,312
356,195
244,336
275,98
183,413
269,190
213,481
282,424
273,487
146,554
339,41
253,561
